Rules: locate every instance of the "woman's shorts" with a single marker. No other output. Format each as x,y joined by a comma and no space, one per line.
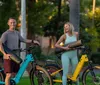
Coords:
10,66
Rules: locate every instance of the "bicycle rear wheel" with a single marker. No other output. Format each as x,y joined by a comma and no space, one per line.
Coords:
89,79
40,76
56,76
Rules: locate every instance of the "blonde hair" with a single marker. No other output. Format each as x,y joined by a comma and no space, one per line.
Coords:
71,27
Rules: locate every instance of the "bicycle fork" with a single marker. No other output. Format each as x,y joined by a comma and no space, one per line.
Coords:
92,72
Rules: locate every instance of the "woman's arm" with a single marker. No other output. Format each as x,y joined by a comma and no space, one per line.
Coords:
61,39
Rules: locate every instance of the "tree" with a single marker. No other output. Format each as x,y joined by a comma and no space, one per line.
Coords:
74,13
89,33
7,9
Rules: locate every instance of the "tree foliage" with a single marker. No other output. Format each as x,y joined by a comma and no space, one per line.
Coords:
90,32
7,10
48,16
43,16
39,14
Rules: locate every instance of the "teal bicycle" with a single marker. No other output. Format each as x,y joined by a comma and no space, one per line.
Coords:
37,74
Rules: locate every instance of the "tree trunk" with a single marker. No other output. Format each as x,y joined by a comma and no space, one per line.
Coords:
59,10
74,17
74,14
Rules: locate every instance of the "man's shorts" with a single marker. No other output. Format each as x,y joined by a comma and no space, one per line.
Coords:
10,66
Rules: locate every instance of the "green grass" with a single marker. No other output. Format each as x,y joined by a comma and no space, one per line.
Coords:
24,81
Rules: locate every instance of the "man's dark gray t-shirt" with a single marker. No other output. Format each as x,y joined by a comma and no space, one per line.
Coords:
11,39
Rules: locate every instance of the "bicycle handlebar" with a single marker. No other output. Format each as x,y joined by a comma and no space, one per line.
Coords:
26,49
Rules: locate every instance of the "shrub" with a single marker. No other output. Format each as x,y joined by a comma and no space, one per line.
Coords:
95,57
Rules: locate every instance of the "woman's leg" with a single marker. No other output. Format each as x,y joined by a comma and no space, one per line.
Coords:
65,66
77,82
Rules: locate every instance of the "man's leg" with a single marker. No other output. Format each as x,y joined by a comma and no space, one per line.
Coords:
7,70
7,79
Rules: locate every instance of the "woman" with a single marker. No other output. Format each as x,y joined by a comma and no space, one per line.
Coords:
69,56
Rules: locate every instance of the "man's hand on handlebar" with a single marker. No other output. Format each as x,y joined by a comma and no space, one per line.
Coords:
36,42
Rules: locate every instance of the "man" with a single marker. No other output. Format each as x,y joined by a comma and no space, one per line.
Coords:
11,39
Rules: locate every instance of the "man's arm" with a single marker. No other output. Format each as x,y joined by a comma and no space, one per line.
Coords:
6,56
1,48
27,40
32,41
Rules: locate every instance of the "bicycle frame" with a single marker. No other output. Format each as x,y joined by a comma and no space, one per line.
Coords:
79,66
83,59
16,79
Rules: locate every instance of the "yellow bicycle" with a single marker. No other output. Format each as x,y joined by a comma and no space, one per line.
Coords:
90,74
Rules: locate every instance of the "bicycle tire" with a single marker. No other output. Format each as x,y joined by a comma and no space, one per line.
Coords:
2,76
40,76
88,79
53,68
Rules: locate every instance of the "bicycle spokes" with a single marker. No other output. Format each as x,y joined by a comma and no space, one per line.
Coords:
96,80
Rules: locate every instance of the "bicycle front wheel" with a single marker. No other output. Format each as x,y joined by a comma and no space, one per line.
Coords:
40,76
55,72
2,76
91,77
